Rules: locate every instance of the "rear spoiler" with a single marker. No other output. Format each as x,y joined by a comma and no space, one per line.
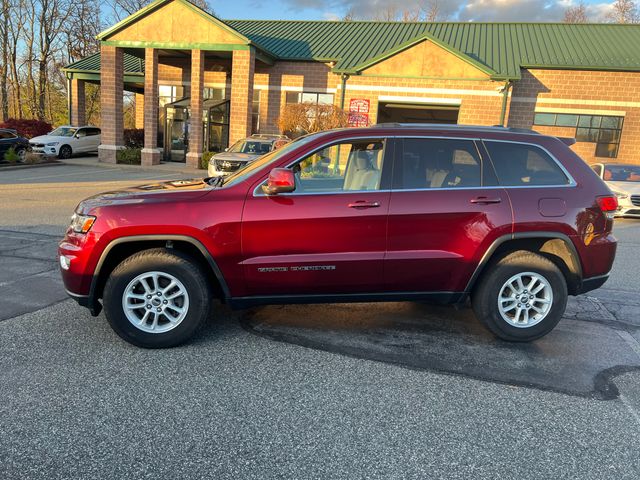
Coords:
567,140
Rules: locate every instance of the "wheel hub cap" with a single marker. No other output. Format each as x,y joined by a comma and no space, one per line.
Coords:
155,302
525,299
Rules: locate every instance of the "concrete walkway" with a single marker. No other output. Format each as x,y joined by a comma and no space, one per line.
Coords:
164,167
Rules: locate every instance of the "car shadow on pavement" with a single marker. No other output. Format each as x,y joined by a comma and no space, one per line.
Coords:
577,358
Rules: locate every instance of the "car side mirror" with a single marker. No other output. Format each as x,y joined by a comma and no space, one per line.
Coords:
281,180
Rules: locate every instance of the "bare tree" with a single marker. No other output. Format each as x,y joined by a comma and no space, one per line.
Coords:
624,11
4,56
124,8
432,11
576,14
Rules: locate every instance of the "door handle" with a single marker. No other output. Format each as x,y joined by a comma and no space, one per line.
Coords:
485,200
362,205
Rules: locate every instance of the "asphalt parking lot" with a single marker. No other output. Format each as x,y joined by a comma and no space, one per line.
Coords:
341,391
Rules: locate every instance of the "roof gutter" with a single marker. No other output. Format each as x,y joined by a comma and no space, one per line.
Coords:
505,98
344,77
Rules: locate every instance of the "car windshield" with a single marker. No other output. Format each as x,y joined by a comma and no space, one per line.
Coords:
251,146
622,173
250,168
64,132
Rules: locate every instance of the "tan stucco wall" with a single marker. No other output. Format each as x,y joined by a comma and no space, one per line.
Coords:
426,59
176,23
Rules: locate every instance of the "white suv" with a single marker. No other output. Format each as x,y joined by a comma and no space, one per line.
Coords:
66,140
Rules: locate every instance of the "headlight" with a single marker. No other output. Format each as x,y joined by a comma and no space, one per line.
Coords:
52,144
212,161
82,223
620,195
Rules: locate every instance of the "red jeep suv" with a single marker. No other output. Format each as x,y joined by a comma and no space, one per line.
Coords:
511,219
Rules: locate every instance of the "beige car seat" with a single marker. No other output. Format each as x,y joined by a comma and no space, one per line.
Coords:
361,174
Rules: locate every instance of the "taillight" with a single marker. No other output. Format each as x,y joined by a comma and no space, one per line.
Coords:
608,203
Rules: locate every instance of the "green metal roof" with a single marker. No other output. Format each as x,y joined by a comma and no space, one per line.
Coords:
500,49
91,64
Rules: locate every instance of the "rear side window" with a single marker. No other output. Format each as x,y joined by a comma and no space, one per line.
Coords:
93,131
520,164
427,163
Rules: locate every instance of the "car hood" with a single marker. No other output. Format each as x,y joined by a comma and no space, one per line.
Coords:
174,190
236,157
49,138
625,187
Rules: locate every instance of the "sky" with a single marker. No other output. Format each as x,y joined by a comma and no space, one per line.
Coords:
453,10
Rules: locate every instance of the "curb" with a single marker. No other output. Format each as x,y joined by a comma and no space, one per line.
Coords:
136,168
36,165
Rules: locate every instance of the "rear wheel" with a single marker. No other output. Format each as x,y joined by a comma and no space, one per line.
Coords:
65,152
156,298
521,298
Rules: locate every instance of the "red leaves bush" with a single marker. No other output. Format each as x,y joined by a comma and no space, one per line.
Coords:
27,128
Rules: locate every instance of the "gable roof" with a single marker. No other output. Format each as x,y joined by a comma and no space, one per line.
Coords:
499,49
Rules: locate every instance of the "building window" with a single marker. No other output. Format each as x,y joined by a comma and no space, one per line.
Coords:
604,131
255,112
313,98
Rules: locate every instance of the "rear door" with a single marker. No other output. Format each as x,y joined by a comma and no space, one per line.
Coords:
329,235
445,211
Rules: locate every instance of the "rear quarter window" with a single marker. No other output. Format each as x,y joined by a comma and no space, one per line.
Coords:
519,164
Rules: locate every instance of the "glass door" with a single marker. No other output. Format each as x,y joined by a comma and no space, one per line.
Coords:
217,138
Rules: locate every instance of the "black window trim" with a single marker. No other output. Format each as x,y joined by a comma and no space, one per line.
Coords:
388,152
571,183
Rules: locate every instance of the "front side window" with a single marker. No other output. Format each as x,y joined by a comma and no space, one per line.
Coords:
351,166
428,163
518,164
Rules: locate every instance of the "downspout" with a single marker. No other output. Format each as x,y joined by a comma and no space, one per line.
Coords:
344,78
505,98
69,98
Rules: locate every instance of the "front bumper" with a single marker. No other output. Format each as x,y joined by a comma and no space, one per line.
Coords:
44,150
94,306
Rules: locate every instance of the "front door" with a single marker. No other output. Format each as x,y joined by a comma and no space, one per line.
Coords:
329,235
445,210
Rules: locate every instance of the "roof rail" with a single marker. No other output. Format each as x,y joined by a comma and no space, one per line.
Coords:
451,126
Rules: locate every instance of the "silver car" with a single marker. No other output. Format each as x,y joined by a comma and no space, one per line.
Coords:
624,182
243,152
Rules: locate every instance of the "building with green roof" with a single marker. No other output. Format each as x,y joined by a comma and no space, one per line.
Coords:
235,77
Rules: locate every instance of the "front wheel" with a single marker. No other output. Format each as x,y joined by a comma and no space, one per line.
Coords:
521,298
65,152
156,298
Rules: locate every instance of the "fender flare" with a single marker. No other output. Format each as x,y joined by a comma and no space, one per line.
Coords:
93,303
488,255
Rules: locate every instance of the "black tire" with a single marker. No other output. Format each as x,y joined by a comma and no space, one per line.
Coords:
65,152
22,153
487,291
171,262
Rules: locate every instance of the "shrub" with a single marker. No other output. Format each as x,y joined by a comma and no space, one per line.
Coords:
301,118
134,137
11,156
204,161
31,158
129,156
27,128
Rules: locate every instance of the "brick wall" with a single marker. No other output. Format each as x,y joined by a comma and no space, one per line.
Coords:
242,80
586,92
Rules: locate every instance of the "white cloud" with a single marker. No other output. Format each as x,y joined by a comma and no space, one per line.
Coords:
463,10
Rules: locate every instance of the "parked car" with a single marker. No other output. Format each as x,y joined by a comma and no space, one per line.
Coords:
624,182
515,221
244,152
66,141
10,139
